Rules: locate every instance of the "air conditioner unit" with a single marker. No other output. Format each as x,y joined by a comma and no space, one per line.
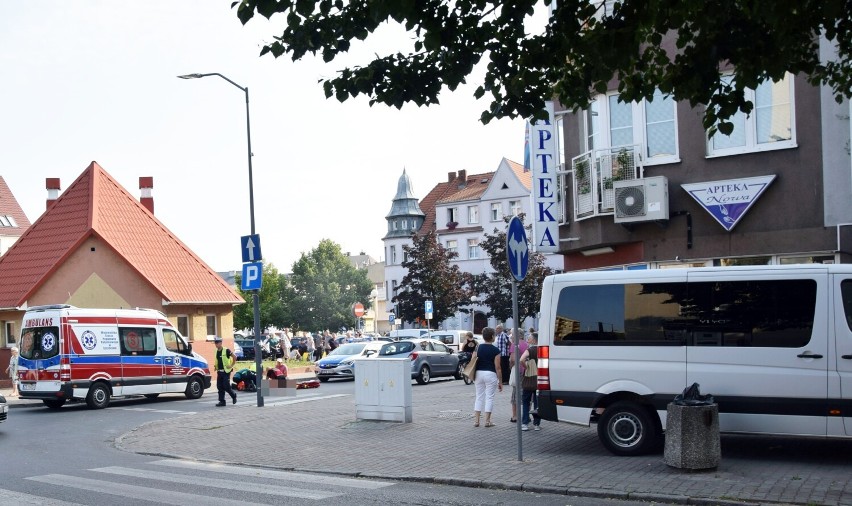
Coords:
644,199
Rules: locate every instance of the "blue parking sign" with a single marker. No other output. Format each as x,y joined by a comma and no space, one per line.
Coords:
252,276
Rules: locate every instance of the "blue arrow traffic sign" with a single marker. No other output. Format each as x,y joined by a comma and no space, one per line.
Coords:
250,245
517,251
252,276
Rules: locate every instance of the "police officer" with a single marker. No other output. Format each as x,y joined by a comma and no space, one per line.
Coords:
225,360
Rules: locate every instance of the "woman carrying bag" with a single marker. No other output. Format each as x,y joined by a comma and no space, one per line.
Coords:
486,368
530,385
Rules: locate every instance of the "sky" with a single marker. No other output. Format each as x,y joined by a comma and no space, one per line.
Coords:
95,80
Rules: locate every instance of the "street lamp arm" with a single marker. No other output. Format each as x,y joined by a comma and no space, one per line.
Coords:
199,76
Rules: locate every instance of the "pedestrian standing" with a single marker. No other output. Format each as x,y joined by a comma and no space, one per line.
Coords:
516,369
318,346
530,395
285,344
309,343
503,345
12,370
486,380
225,360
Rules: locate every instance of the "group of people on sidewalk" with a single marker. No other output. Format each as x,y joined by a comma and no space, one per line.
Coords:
497,365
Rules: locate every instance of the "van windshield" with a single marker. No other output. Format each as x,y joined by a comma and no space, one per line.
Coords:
39,342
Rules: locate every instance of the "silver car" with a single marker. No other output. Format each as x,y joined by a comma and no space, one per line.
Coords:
4,409
429,358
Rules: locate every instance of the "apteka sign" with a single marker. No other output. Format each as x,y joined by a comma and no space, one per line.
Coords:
544,166
728,200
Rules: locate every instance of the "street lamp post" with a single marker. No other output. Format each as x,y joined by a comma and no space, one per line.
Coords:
473,300
254,296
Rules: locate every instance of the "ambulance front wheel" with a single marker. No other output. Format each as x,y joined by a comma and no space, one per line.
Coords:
194,388
98,397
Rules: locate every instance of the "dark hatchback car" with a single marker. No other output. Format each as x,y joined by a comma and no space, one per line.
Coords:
247,346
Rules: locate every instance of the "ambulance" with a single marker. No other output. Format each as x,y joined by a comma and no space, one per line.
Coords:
76,354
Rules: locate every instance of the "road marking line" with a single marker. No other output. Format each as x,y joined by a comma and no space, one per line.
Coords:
133,491
273,474
20,498
259,488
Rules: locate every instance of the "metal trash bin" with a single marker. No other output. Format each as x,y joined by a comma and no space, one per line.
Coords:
692,431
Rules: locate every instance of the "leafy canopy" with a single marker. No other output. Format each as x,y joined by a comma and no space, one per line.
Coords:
273,310
430,276
325,285
679,47
496,287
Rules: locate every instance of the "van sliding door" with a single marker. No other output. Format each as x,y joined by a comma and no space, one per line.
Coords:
841,398
758,344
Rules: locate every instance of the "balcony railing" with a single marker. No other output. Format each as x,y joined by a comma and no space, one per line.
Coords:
594,173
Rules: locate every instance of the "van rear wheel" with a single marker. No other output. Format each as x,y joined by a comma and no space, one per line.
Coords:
627,429
98,397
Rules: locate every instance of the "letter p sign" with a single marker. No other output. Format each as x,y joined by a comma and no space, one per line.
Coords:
252,276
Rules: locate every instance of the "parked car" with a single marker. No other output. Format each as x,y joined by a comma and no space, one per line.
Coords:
238,351
429,358
247,348
340,363
4,409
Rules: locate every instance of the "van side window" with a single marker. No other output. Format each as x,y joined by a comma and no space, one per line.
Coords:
174,342
766,313
846,294
138,341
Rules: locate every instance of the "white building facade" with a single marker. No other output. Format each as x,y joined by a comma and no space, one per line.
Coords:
461,211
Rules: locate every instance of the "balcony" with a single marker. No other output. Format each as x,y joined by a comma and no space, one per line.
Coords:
594,172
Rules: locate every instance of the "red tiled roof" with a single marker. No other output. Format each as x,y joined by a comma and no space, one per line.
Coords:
9,207
475,186
96,205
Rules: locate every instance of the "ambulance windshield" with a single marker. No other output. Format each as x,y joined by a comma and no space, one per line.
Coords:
39,342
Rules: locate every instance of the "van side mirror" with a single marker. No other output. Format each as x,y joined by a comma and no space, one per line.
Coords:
189,348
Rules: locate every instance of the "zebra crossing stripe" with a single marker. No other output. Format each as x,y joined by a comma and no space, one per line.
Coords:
11,497
132,491
272,474
258,488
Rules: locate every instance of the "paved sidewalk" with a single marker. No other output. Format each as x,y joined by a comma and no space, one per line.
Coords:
316,431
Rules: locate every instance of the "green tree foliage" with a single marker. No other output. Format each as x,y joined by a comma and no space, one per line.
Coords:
273,312
430,276
496,287
579,52
325,285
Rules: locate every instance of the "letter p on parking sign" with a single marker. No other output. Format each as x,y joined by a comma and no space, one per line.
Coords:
252,276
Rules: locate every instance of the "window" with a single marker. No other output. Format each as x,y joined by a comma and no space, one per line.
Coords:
393,255
9,333
473,214
174,342
473,248
515,207
405,224
453,246
394,224
7,221
495,211
212,329
769,314
137,341
183,326
452,215
651,124
768,127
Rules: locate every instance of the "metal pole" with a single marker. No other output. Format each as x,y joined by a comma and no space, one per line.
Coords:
258,355
517,385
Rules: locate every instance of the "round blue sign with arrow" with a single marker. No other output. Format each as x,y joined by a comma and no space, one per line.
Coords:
517,251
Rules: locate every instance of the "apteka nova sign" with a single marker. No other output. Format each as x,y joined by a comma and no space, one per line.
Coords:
729,199
544,166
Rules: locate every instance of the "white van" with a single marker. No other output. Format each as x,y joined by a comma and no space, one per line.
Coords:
69,353
772,344
396,335
454,339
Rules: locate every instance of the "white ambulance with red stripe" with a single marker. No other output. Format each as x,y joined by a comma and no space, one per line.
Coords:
74,354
